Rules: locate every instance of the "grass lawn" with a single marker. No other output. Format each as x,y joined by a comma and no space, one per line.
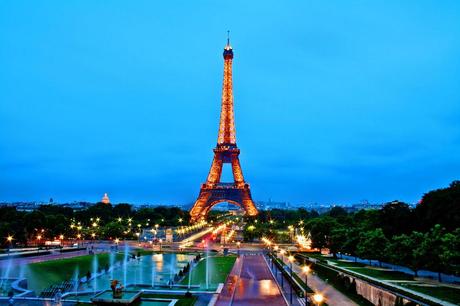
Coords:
219,268
43,274
441,292
182,300
382,274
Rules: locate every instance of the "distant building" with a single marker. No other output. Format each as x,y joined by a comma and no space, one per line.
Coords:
105,199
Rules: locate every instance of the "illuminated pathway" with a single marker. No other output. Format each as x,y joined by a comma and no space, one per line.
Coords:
253,284
333,296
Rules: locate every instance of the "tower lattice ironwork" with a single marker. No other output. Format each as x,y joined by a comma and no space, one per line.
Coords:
213,191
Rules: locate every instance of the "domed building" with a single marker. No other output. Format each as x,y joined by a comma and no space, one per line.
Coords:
105,199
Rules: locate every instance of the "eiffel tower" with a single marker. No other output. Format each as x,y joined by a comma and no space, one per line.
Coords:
213,191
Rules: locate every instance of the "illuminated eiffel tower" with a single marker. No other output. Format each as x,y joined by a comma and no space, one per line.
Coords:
213,191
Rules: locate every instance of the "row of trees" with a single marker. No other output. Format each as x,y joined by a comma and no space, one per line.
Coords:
100,221
426,237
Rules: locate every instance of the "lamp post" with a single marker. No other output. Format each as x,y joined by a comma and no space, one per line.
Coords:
275,249
156,229
291,260
282,266
161,241
306,270
10,241
238,246
282,252
318,298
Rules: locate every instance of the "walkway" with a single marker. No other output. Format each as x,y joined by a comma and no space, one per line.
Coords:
332,295
251,283
394,283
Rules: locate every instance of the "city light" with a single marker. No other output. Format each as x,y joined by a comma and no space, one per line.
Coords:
318,298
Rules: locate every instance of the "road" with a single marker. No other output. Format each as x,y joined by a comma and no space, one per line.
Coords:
251,283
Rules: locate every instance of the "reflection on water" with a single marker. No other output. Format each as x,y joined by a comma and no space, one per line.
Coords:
268,287
149,269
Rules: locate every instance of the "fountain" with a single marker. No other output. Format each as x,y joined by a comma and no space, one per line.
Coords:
76,280
117,295
125,262
190,274
95,271
117,289
112,262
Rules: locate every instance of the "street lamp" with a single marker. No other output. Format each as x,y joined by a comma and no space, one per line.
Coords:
291,260
10,241
306,270
318,298
238,246
161,241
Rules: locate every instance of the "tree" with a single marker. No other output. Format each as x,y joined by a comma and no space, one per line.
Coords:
337,211
402,251
337,240
350,244
431,250
450,250
320,231
441,206
113,230
122,210
396,218
34,221
372,245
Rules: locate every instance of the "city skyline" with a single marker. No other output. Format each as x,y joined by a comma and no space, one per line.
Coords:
125,101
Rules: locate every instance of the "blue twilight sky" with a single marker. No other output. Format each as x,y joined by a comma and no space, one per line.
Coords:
335,102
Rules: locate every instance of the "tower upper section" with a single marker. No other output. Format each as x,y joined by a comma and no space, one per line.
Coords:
227,121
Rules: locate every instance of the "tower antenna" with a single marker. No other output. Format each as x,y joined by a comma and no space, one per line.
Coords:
228,37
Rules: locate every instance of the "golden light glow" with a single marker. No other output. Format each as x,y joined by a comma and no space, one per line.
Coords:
226,151
305,269
227,123
291,258
318,297
9,238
